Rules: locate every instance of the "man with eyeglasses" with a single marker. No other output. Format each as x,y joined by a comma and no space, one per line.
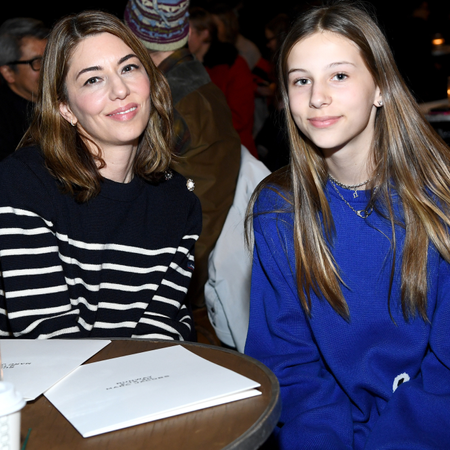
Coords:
22,45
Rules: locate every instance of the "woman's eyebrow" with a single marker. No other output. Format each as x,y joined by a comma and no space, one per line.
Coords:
126,58
88,69
95,68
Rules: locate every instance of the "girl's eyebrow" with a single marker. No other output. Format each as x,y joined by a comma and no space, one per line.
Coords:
96,68
329,66
339,63
296,70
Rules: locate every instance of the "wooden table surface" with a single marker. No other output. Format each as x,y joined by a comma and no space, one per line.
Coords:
245,424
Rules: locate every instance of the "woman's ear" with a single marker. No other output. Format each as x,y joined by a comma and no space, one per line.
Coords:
67,114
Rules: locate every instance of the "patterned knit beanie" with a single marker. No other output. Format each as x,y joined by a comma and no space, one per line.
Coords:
161,25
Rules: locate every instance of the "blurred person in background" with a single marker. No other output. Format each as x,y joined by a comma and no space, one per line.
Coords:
22,45
271,140
228,70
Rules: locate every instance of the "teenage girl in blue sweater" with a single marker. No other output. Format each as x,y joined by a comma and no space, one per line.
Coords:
350,303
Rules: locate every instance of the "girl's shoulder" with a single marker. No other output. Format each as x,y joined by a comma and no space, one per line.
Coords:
274,193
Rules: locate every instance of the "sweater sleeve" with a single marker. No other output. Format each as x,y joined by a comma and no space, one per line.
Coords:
34,297
417,414
167,315
316,414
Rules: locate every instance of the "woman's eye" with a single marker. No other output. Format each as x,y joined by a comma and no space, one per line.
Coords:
130,68
92,80
340,76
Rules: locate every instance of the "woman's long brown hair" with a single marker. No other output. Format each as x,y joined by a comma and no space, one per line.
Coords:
65,151
408,158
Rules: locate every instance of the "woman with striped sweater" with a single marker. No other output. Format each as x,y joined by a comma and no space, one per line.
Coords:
96,233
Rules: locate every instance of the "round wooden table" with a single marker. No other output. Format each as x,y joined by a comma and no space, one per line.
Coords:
245,424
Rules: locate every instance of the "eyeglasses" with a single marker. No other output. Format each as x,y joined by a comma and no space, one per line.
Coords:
34,63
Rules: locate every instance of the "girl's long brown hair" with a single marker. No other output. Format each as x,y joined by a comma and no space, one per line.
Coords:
65,151
407,156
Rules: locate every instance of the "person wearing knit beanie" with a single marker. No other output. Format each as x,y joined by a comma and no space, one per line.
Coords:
161,25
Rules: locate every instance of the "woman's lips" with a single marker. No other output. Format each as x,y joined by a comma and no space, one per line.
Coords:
125,113
323,122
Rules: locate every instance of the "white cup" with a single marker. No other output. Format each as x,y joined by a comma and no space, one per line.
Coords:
11,402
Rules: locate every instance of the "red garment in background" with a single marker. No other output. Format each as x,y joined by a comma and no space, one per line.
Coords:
236,82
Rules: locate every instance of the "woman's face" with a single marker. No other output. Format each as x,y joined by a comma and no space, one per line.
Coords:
108,93
332,95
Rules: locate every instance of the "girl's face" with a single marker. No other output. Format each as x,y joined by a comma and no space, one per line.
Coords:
108,92
332,95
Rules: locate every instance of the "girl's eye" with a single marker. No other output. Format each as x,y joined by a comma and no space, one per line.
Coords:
340,76
301,82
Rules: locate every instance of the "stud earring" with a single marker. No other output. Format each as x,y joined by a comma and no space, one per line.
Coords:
380,103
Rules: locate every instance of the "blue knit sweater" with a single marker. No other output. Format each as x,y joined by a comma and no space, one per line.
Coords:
374,382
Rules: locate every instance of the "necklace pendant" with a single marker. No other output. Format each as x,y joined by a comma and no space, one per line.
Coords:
355,194
363,213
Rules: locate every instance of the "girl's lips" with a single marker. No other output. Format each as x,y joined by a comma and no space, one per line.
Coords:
125,113
323,122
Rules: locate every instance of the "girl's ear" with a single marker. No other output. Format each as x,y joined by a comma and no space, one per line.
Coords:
67,114
378,98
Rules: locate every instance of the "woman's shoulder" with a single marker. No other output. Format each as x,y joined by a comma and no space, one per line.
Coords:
27,155
173,180
26,183
175,187
23,163
175,198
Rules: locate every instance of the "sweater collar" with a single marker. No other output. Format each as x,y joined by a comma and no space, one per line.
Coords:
124,192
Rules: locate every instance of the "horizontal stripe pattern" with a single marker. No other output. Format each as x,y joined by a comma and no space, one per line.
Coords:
63,277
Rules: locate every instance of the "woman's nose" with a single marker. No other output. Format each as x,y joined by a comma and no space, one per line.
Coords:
119,88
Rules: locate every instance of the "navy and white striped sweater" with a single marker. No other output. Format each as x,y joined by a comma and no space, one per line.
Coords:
116,266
